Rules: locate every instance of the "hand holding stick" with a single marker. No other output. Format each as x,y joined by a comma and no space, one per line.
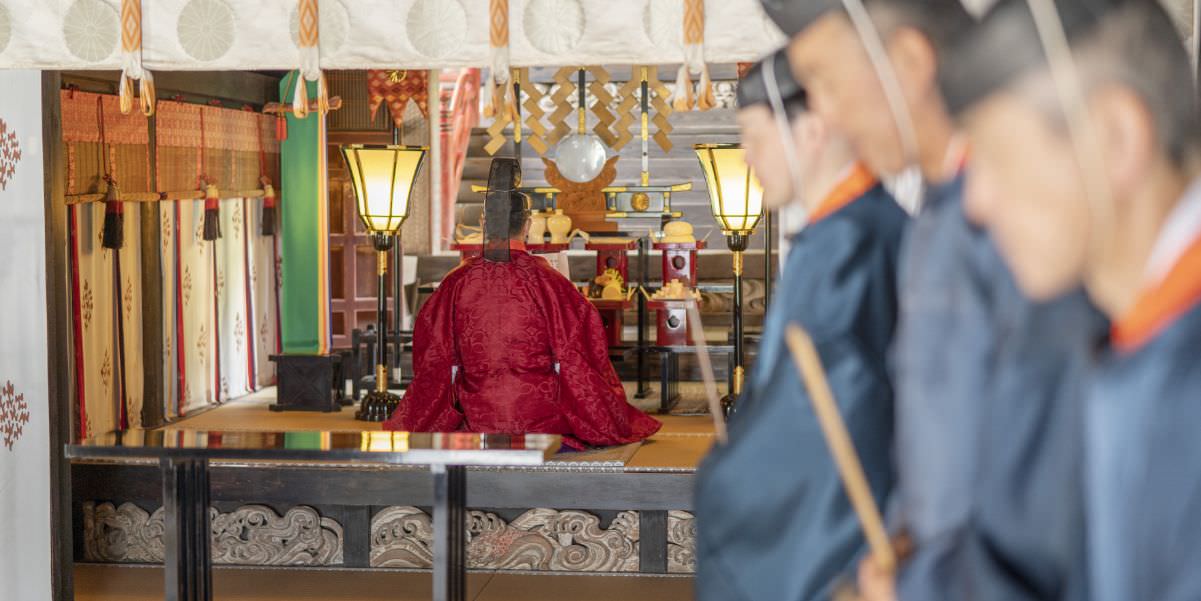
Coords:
808,363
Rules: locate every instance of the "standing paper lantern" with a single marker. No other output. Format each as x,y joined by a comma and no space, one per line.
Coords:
736,199
382,178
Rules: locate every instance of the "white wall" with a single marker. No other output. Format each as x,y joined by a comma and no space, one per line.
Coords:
24,468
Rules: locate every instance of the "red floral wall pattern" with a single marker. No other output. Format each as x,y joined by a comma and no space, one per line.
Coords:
14,414
10,153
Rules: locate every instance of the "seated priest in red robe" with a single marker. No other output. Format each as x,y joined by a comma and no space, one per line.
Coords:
508,345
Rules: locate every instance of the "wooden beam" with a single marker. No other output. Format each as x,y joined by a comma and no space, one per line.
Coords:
153,412
232,88
58,324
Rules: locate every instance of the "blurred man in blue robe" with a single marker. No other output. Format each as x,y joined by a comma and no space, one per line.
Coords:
1100,187
978,369
773,521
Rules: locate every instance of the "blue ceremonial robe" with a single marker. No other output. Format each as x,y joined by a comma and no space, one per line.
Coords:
773,521
1025,540
984,447
1143,475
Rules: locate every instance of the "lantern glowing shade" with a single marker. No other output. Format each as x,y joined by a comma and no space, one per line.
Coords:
735,196
383,177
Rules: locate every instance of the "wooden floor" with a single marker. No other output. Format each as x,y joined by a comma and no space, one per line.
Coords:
683,441
113,583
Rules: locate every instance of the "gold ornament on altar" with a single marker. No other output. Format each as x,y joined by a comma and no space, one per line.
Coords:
642,98
559,225
611,285
468,234
640,201
678,232
537,234
675,290
584,202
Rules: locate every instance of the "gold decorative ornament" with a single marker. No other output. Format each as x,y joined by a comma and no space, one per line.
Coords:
536,135
600,108
640,201
558,119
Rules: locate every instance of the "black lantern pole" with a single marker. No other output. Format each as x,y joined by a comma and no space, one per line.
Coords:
736,200
382,178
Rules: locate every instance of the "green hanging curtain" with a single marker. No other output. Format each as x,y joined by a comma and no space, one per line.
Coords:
304,242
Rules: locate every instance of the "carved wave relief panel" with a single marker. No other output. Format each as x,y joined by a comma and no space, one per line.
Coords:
681,542
537,540
252,535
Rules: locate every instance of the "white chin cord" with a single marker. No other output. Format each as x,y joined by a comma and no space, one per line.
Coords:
887,76
1071,99
782,127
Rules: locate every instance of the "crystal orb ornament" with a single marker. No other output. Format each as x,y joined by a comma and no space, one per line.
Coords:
580,157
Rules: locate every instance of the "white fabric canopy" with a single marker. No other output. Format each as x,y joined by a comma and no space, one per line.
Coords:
24,388
358,34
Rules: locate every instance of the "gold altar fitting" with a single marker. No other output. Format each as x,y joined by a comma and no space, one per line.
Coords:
381,376
381,262
739,376
738,262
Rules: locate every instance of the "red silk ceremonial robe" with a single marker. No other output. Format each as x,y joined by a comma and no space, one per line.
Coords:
514,348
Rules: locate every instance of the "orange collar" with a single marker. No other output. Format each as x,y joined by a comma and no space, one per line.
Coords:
1160,305
853,186
517,245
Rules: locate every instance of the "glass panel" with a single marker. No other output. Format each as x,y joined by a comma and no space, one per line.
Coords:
383,178
735,196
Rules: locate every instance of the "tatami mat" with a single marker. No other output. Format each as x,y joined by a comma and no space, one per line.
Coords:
680,444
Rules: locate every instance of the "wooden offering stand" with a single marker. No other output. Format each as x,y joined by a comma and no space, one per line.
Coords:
612,254
679,263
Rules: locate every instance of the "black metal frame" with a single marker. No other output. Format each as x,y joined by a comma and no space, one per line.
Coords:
187,563
450,518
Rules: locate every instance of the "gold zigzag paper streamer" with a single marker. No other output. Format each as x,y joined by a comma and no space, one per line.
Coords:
558,119
627,108
600,108
661,108
535,130
496,133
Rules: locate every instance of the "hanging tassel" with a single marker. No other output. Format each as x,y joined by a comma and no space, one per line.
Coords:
300,99
131,61
281,127
694,62
212,213
114,217
498,62
268,224
146,94
310,62
704,97
125,94
682,99
490,107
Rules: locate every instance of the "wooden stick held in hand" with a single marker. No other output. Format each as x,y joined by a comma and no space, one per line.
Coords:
809,364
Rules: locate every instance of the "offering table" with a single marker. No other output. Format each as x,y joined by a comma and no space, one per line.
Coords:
184,456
